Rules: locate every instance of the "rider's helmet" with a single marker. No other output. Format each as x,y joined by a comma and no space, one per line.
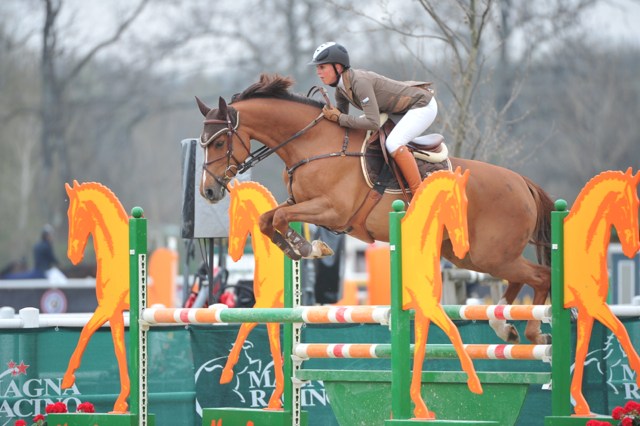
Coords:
331,53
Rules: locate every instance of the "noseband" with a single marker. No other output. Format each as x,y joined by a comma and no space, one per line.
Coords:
231,129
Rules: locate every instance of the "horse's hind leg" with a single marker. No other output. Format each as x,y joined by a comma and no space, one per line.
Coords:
537,277
117,333
503,329
232,359
421,328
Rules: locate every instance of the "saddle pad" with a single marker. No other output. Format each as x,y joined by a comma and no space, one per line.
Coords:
372,163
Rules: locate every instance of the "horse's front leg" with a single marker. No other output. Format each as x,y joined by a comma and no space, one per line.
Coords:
96,321
583,327
266,227
313,211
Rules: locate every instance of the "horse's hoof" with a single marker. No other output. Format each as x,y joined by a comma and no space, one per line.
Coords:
422,414
292,254
68,380
226,376
120,408
512,335
319,249
474,385
274,403
544,339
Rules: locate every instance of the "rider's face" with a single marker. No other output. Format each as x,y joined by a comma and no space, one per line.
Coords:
326,73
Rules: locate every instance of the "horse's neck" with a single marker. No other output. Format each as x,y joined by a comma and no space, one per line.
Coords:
272,122
260,243
590,219
110,232
424,232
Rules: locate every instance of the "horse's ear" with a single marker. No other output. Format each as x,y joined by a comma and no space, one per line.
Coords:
465,176
204,109
222,108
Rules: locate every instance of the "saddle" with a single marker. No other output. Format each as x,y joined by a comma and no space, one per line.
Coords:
382,175
380,171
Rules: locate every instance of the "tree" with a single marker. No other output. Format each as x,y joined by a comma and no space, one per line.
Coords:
487,46
59,71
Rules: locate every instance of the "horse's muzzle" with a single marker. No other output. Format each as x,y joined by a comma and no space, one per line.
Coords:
214,192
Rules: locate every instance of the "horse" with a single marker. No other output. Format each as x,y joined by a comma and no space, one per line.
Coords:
326,187
440,202
248,201
94,210
608,199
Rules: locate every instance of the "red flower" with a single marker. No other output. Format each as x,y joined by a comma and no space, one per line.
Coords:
86,407
632,406
39,418
20,423
618,412
57,407
627,421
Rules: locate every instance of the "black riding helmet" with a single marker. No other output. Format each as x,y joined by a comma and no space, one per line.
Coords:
331,53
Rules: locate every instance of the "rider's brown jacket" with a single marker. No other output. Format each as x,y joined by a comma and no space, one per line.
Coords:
373,93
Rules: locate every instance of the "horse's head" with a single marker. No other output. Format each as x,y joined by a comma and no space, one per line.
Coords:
80,224
240,221
625,213
224,149
453,213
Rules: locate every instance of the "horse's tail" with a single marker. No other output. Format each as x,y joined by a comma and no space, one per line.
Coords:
542,233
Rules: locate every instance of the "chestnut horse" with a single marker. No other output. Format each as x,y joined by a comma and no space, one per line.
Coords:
326,187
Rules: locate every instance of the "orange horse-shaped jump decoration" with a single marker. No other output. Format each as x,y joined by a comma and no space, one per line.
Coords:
608,199
95,210
248,201
441,202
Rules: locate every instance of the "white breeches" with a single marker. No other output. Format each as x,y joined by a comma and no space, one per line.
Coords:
412,125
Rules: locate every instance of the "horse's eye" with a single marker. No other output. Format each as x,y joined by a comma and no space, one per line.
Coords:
219,143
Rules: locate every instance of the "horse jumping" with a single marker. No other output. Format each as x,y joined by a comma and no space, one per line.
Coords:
326,186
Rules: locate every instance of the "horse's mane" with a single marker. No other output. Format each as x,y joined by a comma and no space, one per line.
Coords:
87,189
274,86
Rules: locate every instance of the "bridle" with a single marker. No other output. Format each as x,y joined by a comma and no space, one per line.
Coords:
231,124
230,129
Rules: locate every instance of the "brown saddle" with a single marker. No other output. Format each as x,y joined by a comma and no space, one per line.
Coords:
429,151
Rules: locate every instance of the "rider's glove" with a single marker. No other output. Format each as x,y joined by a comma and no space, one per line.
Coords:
331,113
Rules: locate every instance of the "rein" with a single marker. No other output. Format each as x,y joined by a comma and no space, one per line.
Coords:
231,124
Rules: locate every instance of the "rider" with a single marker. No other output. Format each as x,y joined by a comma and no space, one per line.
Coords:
375,94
